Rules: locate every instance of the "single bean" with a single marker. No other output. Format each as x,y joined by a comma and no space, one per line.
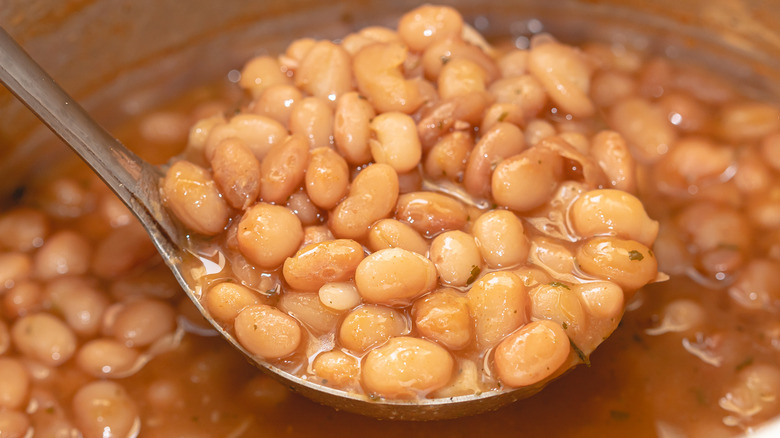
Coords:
142,322
309,311
626,262
372,196
337,369
327,178
23,229
44,338
503,140
103,408
394,276
456,256
315,265
379,76
79,301
525,91
644,126
443,316
194,199
351,127
236,173
430,213
533,353
497,303
610,151
259,133
394,141
267,332
225,300
423,25
277,102
612,212
565,74
260,73
501,240
106,357
312,118
325,72
369,326
447,158
391,233
268,234
339,296
527,180
301,205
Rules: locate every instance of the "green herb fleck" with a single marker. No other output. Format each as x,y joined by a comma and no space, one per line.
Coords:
635,255
494,206
619,415
475,270
503,116
445,60
565,325
744,364
559,284
255,326
579,353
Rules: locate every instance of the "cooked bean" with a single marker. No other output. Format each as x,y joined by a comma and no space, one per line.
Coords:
317,264
65,252
394,276
556,302
327,177
309,311
407,367
351,127
755,285
499,142
225,300
366,36
14,383
748,121
684,111
394,141
337,369
372,196
140,323
711,226
645,128
5,338
236,173
609,87
15,267
316,234
422,26
613,212
679,316
123,249
44,337
268,234
770,151
325,72
277,102
626,262
441,52
103,408
497,303
260,73
753,174
23,229
610,151
443,316
553,256
531,354
500,238
537,130
460,77
379,76
296,51
312,118
692,162
66,198
24,298
527,180
391,233
456,257
369,326
267,332
106,357
513,63
300,204
447,158
565,74
259,133
525,91
431,213
192,195
14,424
502,112
339,296
80,303
282,170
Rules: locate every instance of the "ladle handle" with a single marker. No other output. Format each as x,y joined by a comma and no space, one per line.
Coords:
131,178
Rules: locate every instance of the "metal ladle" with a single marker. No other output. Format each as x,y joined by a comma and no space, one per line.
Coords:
136,183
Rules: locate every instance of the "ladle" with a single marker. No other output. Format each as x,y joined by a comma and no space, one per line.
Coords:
136,183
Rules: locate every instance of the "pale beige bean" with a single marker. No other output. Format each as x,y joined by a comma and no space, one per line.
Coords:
268,234
44,337
770,151
612,212
282,170
236,173
501,141
532,275
497,303
441,52
327,177
379,76
531,354
79,301
499,234
302,206
194,199
140,323
748,121
198,138
537,130
614,56
443,316
106,357
260,73
372,196
460,77
753,174
422,26
66,198
558,303
312,118
277,102
65,252
502,112
524,91
513,63
684,111
24,298
447,158
564,72
258,132
337,369
123,249
103,408
14,424
316,234
626,262
15,267
369,326
351,127
603,301
394,141
407,367
14,383
692,161
710,226
5,338
366,36
391,233
309,311
394,276
325,72
456,257
267,332
225,300
430,213
644,126
23,229
339,296
609,87
611,153
525,181
295,52
754,286
317,264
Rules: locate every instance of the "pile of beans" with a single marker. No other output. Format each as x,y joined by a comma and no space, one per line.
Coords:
399,220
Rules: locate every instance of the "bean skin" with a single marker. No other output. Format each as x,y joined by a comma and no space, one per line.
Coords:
268,234
317,264
532,353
